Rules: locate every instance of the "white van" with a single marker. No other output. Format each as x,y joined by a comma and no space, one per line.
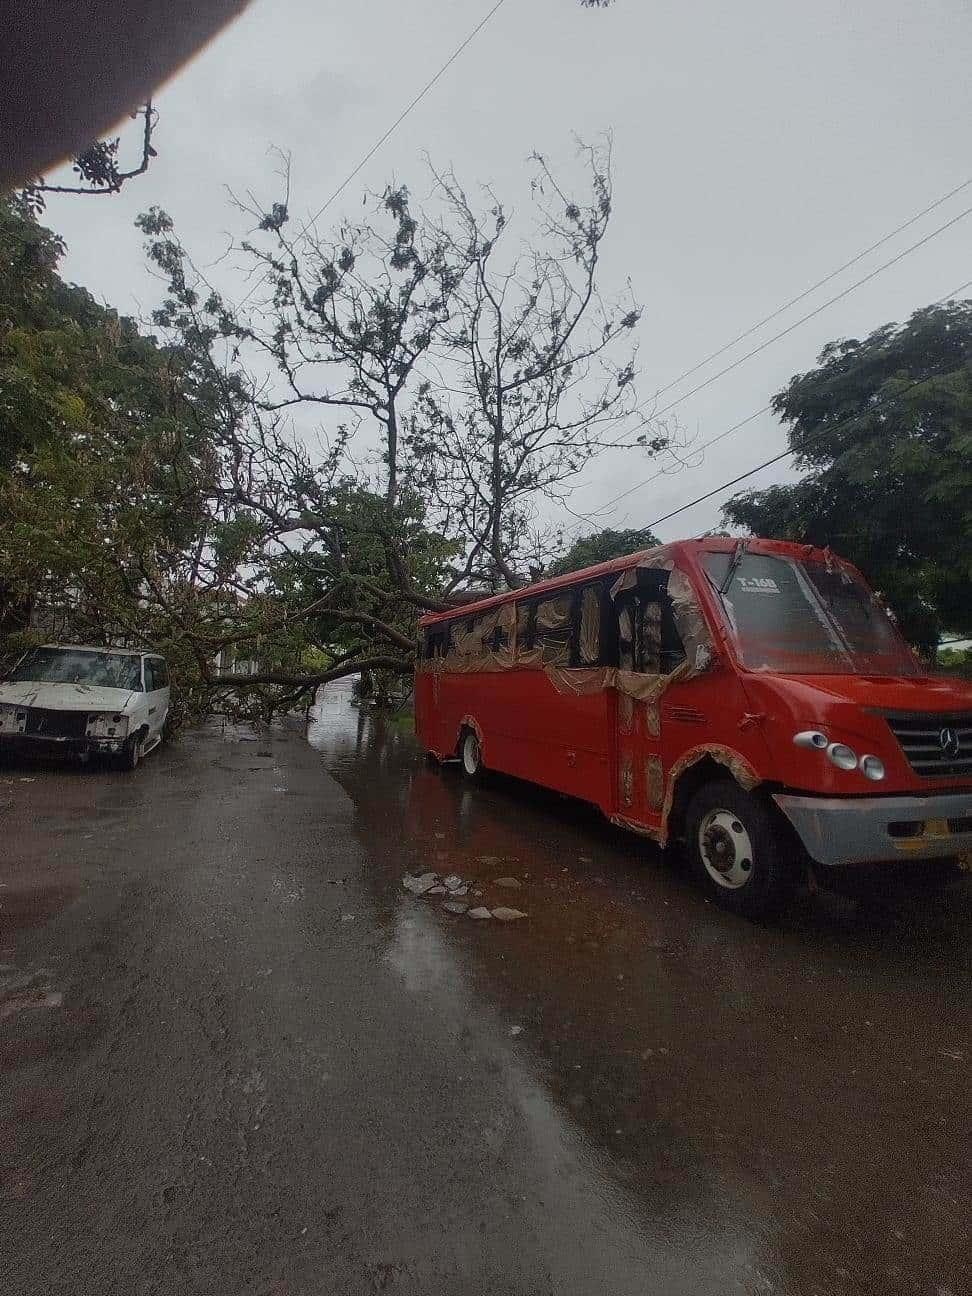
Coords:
90,701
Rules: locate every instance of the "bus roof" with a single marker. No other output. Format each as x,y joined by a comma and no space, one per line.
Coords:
785,548
552,583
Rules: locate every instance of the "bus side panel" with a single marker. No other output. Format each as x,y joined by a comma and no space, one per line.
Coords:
433,725
423,709
531,730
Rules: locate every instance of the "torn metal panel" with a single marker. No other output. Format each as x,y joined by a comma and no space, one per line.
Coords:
626,781
508,626
632,825
626,713
735,763
652,714
470,722
655,782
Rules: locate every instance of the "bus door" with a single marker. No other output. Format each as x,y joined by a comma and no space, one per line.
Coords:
648,648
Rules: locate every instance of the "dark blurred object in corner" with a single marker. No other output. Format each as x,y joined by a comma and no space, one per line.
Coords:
73,68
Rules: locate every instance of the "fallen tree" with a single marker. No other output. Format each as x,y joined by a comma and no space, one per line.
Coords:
273,495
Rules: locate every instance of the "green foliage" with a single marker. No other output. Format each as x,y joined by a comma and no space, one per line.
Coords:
955,661
156,492
105,471
893,491
600,547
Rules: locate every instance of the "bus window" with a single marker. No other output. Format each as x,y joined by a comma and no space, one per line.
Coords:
524,626
496,639
589,628
436,641
467,637
627,636
671,649
648,639
552,629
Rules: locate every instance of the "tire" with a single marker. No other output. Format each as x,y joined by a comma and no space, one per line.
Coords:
471,756
131,754
739,852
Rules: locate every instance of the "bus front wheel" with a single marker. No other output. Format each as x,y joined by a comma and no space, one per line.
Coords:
738,851
471,755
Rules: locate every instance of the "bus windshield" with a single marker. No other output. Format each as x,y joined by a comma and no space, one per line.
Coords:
806,618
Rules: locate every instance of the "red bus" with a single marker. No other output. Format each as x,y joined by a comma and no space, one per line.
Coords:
744,697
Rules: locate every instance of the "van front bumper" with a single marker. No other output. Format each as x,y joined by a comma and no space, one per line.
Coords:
866,830
45,745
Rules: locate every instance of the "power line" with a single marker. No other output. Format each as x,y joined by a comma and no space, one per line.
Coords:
886,238
816,311
664,472
765,409
390,131
784,454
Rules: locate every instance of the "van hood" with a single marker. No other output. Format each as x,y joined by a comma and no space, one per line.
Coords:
65,697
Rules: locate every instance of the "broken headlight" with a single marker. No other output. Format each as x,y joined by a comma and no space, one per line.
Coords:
107,724
11,718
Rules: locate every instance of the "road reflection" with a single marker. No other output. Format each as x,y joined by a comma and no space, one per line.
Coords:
763,1109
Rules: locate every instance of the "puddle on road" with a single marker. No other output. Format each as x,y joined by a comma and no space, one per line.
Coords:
714,1070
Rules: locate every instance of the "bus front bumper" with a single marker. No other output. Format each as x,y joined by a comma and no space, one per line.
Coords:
866,830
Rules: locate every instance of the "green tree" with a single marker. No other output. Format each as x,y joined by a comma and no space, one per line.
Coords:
601,546
884,428
955,661
106,470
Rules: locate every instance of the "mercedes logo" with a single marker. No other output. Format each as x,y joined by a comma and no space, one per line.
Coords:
949,740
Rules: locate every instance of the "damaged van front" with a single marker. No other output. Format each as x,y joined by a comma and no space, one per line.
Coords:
84,701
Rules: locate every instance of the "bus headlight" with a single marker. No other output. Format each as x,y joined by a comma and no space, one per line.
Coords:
872,767
844,757
810,738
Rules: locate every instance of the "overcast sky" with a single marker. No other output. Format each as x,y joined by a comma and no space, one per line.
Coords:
758,146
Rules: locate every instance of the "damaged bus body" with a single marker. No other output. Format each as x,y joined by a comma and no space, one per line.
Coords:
750,698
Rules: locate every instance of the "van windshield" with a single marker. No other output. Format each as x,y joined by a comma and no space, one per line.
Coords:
807,618
79,666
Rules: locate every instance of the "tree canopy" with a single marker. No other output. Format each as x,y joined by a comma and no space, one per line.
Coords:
601,546
883,427
292,484
106,469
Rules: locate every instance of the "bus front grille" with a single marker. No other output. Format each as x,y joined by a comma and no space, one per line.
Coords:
936,744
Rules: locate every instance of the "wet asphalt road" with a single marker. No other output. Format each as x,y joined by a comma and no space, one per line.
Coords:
237,1058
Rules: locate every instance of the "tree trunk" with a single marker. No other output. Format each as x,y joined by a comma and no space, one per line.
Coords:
391,423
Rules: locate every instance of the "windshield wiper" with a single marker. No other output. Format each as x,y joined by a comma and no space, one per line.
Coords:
734,561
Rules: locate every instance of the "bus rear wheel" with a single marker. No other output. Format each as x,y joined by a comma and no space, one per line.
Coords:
738,852
471,755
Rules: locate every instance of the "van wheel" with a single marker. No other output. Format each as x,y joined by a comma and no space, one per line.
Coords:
737,850
131,754
471,755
